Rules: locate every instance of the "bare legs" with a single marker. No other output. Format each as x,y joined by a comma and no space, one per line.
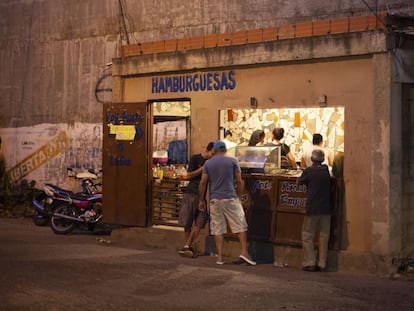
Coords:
219,240
190,236
243,243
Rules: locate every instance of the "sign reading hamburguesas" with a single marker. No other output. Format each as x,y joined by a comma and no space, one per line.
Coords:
208,81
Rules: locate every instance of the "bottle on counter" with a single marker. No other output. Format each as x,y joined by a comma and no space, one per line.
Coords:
155,171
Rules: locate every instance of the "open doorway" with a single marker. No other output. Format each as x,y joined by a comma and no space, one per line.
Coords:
171,132
170,152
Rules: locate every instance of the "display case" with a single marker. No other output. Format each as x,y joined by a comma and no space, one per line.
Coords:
261,160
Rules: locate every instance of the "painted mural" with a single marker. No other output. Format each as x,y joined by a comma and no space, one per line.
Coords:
299,125
44,152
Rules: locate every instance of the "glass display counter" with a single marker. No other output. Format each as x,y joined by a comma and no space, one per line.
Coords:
262,160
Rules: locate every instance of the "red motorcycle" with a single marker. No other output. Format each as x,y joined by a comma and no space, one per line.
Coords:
52,196
74,209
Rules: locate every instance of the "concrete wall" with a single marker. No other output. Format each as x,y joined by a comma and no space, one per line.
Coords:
175,19
53,54
386,197
43,152
407,176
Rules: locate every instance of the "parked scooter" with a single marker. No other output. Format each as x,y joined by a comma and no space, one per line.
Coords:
47,200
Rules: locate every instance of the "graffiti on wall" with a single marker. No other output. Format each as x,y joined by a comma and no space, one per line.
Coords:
103,89
44,152
85,147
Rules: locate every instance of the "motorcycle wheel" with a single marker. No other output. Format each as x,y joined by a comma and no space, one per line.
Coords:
40,219
60,225
97,207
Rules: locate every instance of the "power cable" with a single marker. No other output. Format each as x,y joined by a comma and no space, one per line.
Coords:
374,12
129,20
121,8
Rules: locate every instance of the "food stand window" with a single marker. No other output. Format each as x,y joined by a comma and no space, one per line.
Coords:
299,124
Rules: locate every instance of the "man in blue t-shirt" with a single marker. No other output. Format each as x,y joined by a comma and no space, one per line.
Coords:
223,173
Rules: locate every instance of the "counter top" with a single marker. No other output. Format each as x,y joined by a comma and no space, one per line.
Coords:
279,172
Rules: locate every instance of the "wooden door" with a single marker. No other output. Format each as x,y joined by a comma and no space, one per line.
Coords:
125,164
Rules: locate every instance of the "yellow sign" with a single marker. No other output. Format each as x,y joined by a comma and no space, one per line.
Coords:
123,132
39,157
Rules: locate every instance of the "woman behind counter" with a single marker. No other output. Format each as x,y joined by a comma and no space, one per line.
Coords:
277,135
257,138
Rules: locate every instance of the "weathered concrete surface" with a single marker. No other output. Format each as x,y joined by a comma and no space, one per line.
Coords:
294,50
53,54
43,271
172,238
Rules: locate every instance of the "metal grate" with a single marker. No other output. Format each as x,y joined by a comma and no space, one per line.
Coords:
166,201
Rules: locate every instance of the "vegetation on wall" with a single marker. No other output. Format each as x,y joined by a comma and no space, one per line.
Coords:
16,198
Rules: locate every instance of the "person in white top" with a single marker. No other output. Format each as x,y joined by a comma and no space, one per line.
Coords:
230,144
317,143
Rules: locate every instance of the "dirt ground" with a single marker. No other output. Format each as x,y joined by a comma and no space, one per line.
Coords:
40,270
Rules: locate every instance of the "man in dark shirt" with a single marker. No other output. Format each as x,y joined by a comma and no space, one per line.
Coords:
318,212
190,217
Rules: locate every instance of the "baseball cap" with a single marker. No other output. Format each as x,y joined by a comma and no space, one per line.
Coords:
219,146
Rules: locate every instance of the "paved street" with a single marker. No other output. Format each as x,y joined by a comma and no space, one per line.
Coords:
43,271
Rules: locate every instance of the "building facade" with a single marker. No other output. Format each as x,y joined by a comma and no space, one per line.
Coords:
286,56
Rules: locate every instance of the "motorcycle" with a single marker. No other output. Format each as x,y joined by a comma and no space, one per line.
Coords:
75,209
47,200
44,206
89,180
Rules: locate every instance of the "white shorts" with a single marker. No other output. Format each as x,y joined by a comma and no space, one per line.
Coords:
229,210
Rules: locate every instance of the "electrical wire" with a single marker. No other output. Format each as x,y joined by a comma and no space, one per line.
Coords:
127,22
130,21
374,12
121,8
